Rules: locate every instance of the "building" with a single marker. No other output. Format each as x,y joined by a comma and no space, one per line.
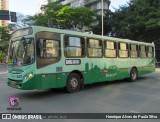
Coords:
4,5
39,3
94,5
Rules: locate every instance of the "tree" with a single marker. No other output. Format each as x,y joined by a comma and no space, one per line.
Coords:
2,56
139,20
22,21
4,42
48,15
65,17
41,20
76,18
97,28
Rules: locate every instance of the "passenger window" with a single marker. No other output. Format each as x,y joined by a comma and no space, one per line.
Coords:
142,50
133,50
48,48
94,48
123,50
150,52
74,46
110,49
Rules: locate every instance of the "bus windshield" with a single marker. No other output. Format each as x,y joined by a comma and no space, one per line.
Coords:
21,52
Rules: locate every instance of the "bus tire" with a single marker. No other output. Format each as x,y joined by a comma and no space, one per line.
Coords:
133,75
73,83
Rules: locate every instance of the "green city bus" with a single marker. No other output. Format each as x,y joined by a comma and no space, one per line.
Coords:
43,58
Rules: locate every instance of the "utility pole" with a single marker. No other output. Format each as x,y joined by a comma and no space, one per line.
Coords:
102,17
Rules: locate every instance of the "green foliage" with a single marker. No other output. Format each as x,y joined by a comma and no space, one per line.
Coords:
2,56
139,20
4,39
4,42
41,20
97,29
22,21
65,17
70,17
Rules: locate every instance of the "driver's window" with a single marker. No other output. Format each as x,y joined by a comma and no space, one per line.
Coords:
25,53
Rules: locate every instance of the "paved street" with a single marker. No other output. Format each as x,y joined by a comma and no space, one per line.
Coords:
118,96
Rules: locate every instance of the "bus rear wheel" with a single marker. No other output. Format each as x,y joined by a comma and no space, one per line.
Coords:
133,74
73,83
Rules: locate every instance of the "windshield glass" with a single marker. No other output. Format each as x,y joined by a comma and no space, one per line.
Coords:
21,52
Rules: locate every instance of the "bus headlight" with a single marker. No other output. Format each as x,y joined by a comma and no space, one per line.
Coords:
28,76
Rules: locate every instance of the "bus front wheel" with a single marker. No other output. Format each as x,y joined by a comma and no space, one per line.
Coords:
73,83
133,74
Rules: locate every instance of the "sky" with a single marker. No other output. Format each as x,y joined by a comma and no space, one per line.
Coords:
117,3
28,7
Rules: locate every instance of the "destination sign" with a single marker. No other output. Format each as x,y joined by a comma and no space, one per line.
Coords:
22,32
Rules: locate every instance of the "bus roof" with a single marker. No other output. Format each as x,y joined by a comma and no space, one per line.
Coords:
83,34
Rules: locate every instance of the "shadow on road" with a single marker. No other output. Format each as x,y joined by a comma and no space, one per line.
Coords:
41,94
116,82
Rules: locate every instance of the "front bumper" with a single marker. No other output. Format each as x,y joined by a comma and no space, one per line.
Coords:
18,84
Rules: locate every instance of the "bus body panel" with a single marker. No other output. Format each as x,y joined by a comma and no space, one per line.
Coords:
45,79
93,69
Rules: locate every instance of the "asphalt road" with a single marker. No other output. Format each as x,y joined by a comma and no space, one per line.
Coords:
142,96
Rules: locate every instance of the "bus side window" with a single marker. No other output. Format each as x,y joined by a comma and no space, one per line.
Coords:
94,48
74,46
150,52
123,50
142,51
133,51
42,47
48,48
110,49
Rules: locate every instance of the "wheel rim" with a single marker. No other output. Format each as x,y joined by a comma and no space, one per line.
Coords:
134,75
73,83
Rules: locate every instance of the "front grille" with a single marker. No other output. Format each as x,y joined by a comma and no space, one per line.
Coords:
18,81
17,84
